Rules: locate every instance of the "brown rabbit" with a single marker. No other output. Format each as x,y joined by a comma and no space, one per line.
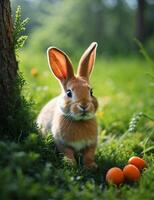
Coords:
71,115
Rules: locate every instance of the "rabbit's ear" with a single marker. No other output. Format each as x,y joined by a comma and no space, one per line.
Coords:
87,61
60,64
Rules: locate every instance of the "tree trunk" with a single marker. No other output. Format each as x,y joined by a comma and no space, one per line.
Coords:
140,20
8,65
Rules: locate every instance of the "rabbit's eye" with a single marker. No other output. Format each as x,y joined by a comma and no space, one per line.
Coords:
69,93
91,92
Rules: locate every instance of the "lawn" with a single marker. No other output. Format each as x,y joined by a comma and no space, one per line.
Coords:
33,169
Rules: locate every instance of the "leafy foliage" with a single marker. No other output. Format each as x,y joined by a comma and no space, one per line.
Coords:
34,170
135,120
18,28
20,120
143,50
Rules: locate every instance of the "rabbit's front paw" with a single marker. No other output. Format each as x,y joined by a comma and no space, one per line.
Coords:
69,156
91,165
69,161
88,160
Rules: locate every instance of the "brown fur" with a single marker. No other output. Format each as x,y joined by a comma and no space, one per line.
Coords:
73,128
76,130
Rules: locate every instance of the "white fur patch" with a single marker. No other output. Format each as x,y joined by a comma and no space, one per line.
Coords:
79,117
81,144
78,145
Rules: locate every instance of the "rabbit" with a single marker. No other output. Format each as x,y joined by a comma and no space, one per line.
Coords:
71,116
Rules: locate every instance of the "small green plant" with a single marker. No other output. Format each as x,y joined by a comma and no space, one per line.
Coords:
135,120
18,28
148,145
142,50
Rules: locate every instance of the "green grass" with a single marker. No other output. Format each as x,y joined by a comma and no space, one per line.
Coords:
33,169
122,87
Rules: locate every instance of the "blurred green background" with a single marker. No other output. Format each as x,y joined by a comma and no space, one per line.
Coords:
73,25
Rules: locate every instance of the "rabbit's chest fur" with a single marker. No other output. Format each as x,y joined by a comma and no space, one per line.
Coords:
77,134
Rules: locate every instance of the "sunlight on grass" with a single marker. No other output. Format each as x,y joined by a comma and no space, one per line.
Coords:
122,89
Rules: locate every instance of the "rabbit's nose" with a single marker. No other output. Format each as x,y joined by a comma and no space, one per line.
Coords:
83,107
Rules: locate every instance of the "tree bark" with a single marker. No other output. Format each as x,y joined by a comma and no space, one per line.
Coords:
8,64
140,20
